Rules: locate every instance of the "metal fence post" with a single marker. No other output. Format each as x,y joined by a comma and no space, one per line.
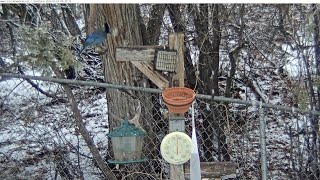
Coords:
263,143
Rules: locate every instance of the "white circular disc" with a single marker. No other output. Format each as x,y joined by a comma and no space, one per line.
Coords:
176,147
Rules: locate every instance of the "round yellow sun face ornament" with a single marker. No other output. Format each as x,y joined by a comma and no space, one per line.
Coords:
175,148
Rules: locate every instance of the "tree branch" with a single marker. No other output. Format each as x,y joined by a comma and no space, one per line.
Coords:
83,131
14,54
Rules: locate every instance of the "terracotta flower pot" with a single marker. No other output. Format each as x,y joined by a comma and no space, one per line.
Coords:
178,99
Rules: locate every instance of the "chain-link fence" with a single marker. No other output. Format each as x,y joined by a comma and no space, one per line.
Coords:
39,138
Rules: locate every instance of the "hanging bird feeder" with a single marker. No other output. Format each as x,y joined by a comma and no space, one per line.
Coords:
127,141
178,99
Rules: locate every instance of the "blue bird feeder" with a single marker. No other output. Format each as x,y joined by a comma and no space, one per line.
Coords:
127,142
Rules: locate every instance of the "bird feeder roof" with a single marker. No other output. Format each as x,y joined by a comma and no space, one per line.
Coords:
126,130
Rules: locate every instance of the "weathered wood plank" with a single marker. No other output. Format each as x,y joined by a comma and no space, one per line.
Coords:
176,42
214,169
138,53
147,69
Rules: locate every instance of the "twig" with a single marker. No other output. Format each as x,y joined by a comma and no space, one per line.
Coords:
34,85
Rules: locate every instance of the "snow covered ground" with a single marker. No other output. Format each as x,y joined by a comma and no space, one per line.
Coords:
35,131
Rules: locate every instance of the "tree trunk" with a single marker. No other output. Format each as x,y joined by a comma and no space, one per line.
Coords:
233,55
154,24
209,72
125,31
315,122
205,59
70,20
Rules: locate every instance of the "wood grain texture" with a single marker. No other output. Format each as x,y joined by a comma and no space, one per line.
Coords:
125,31
147,69
135,54
215,169
176,42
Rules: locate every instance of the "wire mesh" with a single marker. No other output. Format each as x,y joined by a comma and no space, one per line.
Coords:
40,140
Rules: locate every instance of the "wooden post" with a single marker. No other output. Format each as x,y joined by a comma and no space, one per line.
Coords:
176,42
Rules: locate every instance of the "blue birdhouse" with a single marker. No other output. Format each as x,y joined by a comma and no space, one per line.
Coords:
127,142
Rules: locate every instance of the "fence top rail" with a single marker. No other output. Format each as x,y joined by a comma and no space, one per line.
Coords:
6,76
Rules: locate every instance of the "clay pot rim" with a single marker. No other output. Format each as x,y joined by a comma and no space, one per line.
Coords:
179,102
